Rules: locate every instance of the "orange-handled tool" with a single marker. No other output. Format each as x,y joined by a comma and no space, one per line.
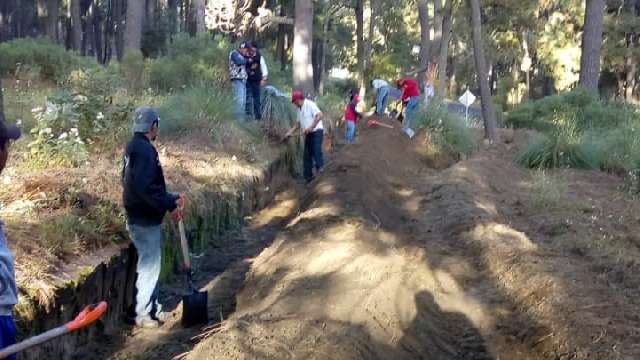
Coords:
85,318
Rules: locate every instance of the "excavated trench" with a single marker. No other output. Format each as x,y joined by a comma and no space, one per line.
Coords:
113,280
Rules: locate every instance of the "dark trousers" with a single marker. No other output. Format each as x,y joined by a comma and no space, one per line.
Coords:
253,99
312,153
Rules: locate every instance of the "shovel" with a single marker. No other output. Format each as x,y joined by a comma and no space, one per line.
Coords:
194,304
85,318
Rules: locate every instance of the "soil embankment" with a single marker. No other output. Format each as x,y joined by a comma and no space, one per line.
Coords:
384,258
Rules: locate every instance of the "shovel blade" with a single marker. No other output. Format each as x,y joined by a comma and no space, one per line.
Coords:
194,309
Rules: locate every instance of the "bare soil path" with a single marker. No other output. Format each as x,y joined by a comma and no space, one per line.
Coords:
384,258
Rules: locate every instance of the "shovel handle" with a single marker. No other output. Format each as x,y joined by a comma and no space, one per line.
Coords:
86,317
185,247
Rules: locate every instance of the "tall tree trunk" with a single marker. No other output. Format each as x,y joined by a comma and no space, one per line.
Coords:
368,45
488,111
423,14
199,10
453,82
437,31
280,39
323,58
51,20
631,64
133,32
302,42
591,45
360,40
76,24
447,22
1,104
98,33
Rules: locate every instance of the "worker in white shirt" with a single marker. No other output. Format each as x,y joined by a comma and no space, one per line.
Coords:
384,91
257,75
310,121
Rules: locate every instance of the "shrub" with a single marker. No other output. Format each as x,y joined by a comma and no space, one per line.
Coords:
53,61
201,108
56,139
132,67
278,113
547,190
563,147
447,130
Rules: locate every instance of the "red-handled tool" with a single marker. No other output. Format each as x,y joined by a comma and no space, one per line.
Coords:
85,318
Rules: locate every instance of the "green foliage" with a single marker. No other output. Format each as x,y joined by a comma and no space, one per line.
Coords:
132,67
201,108
547,190
580,131
447,130
69,123
332,106
278,113
563,147
56,138
52,61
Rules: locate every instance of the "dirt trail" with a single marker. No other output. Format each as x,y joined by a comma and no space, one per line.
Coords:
384,258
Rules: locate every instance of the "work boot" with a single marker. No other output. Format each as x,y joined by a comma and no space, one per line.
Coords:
146,322
159,315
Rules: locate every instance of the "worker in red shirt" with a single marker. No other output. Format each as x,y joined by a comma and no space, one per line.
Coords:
410,101
351,116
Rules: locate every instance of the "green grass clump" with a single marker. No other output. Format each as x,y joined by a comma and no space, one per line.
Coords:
278,113
53,62
547,190
447,129
564,147
201,108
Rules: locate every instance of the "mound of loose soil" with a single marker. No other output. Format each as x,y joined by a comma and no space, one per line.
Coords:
389,259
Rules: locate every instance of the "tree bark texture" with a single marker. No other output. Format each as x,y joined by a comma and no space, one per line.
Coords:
199,8
437,31
76,24
488,111
133,31
591,45
631,64
423,14
302,42
360,40
447,22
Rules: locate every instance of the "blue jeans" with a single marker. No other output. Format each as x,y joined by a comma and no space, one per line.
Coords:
7,333
312,153
239,97
411,109
351,132
253,99
384,93
147,240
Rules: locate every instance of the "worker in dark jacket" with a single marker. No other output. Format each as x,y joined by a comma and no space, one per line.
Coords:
146,202
8,289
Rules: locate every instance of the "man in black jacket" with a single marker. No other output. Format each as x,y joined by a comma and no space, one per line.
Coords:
257,74
146,202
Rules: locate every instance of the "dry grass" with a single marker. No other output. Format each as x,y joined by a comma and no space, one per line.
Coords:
56,216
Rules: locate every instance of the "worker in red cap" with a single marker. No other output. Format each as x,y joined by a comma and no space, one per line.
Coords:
310,121
410,101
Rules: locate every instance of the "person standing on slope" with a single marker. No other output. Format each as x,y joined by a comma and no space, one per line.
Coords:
257,75
146,201
410,101
351,116
384,92
8,288
238,78
310,121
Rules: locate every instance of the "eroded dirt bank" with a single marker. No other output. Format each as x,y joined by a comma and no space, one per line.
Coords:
383,258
